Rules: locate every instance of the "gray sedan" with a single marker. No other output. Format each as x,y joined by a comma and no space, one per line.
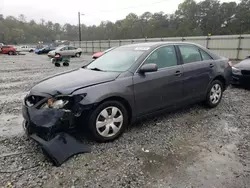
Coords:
123,85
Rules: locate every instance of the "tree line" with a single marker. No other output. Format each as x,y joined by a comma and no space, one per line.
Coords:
190,19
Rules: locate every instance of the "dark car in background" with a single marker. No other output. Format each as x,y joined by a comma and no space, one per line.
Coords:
45,50
123,85
241,73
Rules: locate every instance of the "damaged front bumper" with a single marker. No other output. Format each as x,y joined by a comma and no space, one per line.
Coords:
53,129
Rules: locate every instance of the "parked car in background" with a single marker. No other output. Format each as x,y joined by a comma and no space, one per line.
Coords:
7,50
99,54
45,50
241,73
66,51
127,83
24,49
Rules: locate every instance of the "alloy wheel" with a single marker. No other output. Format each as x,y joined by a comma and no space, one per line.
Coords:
109,121
215,93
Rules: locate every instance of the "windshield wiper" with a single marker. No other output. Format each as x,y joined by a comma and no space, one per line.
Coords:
96,69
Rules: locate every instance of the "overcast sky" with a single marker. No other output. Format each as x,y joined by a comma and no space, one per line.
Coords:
65,11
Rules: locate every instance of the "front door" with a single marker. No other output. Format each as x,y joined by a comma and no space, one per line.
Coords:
160,89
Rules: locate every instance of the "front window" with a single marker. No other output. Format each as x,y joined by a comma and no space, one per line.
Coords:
117,60
163,57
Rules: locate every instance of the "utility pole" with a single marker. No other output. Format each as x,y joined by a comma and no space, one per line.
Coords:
79,20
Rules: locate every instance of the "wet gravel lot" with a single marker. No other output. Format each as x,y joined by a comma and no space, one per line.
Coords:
191,147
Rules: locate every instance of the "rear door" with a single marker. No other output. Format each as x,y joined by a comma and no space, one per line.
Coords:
72,50
160,89
198,69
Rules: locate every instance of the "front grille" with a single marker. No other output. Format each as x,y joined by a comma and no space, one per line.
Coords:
32,100
245,72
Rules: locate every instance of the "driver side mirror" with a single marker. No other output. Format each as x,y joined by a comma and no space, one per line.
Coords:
151,67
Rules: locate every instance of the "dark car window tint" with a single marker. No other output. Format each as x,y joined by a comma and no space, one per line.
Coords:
189,54
204,55
163,57
71,48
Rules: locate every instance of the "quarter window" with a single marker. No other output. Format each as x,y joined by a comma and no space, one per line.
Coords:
163,57
190,54
72,48
204,55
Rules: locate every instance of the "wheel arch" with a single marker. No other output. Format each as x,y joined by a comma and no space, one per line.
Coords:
222,79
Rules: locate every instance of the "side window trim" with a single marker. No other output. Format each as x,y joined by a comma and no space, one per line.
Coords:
143,62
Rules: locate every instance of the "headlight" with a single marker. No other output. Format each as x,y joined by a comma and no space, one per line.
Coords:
236,71
54,103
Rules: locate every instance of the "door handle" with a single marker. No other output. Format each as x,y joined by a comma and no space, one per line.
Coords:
211,65
177,73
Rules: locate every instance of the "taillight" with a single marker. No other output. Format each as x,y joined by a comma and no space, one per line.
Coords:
230,63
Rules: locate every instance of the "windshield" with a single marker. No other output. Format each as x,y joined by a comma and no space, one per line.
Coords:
117,60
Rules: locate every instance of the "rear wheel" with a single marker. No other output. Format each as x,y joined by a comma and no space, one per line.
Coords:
78,54
108,121
66,64
214,94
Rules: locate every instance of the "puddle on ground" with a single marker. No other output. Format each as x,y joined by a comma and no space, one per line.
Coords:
172,164
192,163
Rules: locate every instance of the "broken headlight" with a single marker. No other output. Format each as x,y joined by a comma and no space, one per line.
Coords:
55,103
66,102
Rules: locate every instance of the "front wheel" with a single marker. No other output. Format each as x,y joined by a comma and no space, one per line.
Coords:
108,121
214,94
11,53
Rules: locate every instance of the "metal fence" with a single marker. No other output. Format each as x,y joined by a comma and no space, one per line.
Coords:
231,46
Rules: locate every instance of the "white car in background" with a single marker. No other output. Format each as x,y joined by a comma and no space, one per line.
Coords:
66,51
24,49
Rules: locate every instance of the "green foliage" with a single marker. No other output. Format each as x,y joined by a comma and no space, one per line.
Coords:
190,19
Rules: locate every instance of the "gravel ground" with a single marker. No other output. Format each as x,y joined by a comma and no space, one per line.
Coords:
191,147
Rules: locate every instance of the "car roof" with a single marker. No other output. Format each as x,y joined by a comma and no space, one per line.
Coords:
155,44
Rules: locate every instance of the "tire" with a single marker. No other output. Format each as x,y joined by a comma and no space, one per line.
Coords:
10,53
78,54
214,94
120,125
57,64
66,64
31,51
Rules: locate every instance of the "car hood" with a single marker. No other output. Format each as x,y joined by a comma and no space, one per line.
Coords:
245,64
70,81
